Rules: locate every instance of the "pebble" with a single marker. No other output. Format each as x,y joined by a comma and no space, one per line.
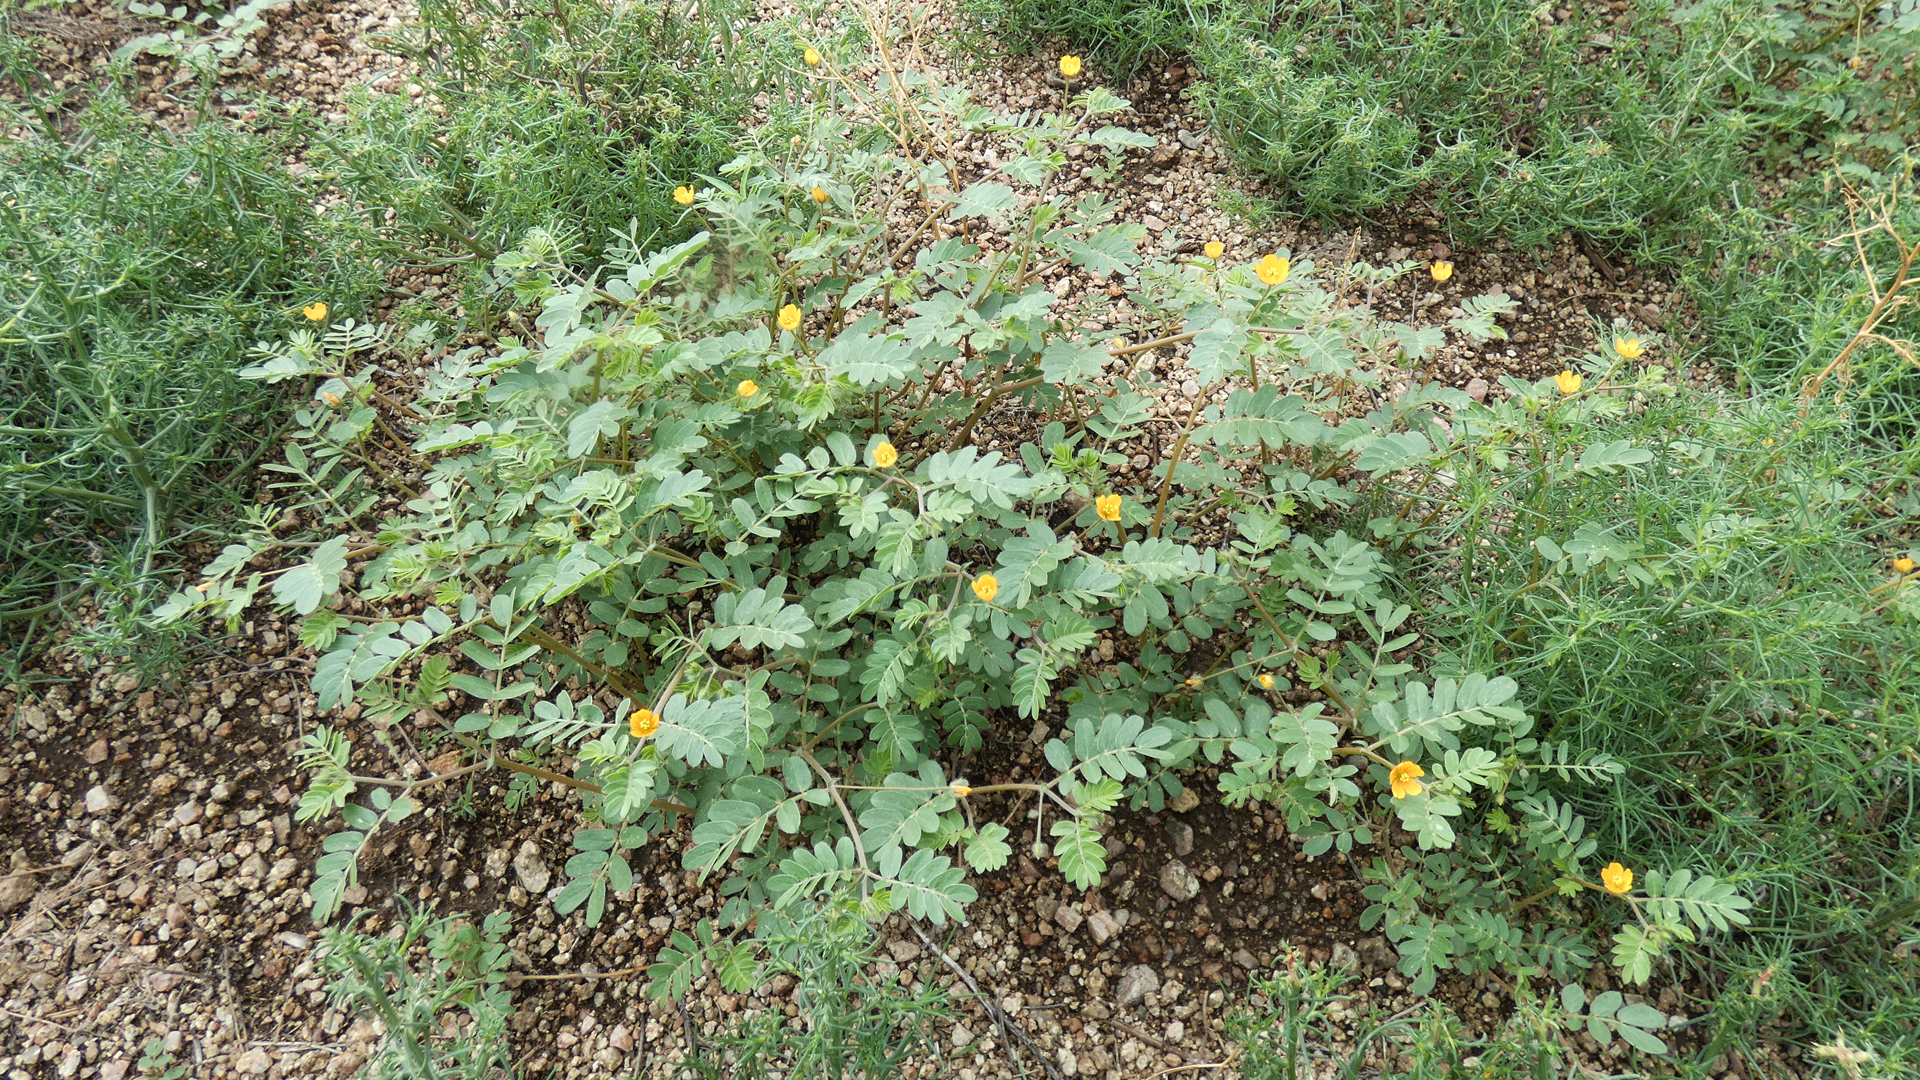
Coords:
98,752
1135,984
1103,927
1179,882
1069,917
1181,834
1183,802
531,869
903,951
1477,389
99,800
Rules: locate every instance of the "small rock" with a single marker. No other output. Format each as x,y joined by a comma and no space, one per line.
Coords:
16,890
296,942
1179,882
903,951
620,1038
1246,959
530,869
1102,926
1176,1031
1649,314
188,812
100,800
1157,225
1135,984
962,1036
1069,917
1477,389
1189,140
99,751
253,1062
1344,956
1184,801
1181,834
1375,954
1069,1065
115,1070
127,683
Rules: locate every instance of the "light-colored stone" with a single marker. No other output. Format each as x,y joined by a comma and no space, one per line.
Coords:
1102,926
1181,834
1068,916
1184,801
1179,882
903,951
531,869
253,1062
1135,984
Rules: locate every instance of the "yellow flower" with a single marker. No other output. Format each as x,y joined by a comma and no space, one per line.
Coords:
1266,681
811,56
1568,382
986,587
329,398
1108,507
317,311
747,388
1195,682
819,194
1215,249
884,455
643,723
683,195
1903,564
1618,879
1441,270
790,317
960,790
1070,67
1272,269
1405,778
1629,347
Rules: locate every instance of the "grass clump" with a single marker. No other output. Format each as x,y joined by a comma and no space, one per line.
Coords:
577,119
136,267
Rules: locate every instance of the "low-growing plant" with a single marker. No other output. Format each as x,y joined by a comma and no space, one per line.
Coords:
135,269
723,541
607,109
442,1014
852,1020
202,41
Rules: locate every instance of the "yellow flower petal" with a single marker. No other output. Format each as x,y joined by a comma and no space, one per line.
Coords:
790,317
884,455
1568,382
1618,879
1629,347
819,194
1273,269
960,790
1108,507
1070,67
317,311
986,587
1441,270
683,195
642,723
747,388
1405,778
1903,564
811,56
1266,681
1215,249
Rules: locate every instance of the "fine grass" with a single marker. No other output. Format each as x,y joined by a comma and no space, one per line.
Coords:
136,268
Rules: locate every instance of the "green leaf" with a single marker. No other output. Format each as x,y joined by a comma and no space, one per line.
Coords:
306,586
984,199
987,850
758,618
1070,363
1083,857
1606,457
869,360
